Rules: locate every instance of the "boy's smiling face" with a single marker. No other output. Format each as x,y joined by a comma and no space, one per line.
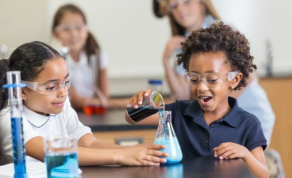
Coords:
211,62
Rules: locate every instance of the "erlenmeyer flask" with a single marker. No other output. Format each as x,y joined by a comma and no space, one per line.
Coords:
166,136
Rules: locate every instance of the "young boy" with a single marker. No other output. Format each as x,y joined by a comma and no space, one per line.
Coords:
217,60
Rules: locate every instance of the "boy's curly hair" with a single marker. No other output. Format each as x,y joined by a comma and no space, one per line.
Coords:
220,38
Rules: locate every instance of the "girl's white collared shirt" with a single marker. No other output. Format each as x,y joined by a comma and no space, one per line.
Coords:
65,124
82,73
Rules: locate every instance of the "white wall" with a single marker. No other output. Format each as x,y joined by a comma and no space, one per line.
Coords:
129,33
134,39
22,21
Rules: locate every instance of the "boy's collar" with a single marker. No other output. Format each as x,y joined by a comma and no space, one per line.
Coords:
231,118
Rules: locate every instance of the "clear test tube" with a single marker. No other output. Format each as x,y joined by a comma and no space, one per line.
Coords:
14,86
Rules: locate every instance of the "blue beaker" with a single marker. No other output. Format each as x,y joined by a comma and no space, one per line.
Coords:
166,136
61,157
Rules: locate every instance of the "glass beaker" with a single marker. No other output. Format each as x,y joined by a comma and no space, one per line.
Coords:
151,104
166,136
61,157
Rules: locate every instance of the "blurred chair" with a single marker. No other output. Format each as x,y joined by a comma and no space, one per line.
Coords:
274,163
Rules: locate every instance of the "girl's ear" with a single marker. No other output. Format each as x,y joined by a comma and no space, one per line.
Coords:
235,81
24,94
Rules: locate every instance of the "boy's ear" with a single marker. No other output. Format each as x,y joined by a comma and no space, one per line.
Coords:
235,81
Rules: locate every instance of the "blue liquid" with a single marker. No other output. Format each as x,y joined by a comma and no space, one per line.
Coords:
163,123
172,148
18,148
174,170
62,165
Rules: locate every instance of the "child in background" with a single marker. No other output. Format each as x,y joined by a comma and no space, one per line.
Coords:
218,61
47,111
90,88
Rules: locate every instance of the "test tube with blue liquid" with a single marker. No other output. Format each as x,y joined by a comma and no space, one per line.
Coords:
14,86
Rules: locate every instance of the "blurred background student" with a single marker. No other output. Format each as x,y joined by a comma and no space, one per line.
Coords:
87,62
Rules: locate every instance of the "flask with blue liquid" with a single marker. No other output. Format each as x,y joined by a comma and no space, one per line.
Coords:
14,86
166,136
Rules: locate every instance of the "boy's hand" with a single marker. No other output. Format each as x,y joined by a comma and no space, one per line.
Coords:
141,156
138,98
230,151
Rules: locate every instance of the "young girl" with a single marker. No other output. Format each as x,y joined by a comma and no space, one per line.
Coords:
218,61
47,111
89,87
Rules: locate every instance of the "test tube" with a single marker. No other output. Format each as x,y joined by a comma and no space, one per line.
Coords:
14,86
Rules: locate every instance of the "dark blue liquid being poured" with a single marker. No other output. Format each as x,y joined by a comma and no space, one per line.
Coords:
141,113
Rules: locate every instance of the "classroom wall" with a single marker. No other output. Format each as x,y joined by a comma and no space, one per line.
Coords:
22,21
131,36
134,39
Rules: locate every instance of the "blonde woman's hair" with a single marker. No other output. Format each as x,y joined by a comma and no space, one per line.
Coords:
179,30
211,9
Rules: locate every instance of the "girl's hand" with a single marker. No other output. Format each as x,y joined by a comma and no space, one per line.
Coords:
141,156
230,151
138,98
95,102
171,46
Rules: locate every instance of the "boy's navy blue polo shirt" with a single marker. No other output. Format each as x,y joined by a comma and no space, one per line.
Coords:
197,139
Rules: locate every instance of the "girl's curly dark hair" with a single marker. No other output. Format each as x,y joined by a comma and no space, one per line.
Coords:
220,38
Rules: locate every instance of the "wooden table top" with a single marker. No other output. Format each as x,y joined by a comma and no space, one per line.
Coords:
196,167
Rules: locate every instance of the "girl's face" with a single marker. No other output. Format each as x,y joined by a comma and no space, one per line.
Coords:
187,13
54,70
216,94
72,31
